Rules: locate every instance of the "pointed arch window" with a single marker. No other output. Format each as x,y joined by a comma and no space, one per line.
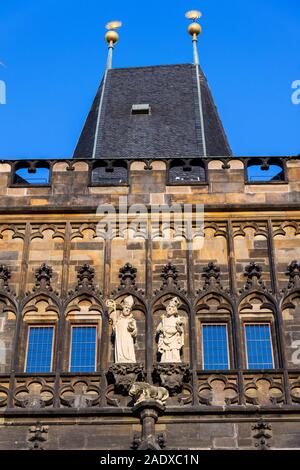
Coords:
215,348
83,348
84,326
259,349
215,333
259,334
38,337
39,357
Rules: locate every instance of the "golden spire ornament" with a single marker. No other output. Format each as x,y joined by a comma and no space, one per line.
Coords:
194,30
111,37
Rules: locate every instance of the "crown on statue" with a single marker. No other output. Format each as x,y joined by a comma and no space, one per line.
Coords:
175,302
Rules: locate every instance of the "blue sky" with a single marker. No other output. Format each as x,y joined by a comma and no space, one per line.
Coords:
54,56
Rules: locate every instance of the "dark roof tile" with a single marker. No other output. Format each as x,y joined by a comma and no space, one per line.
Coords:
172,130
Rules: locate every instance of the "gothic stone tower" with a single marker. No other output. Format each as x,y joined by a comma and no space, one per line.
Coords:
76,233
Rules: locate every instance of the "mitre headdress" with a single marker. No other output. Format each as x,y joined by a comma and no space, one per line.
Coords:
128,301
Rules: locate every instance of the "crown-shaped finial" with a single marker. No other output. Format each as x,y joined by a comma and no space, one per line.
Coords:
194,30
111,37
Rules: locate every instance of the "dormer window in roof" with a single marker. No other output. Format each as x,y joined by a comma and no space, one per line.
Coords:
141,109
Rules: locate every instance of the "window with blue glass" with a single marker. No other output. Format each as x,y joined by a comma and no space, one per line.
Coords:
83,349
259,346
215,347
39,349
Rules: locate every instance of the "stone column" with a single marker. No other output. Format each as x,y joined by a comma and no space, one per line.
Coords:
148,412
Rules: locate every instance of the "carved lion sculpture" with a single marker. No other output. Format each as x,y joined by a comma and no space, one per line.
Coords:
141,391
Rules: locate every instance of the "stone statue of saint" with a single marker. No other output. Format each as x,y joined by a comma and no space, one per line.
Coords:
171,333
125,331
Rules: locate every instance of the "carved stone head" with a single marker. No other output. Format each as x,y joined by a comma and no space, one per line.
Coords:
172,307
127,305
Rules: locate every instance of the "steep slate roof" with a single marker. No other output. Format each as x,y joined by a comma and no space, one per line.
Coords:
172,130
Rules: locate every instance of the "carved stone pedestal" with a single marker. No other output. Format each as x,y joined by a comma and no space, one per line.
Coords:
123,376
148,412
172,377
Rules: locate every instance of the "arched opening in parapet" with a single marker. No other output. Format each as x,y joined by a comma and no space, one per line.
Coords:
30,174
259,171
107,173
187,172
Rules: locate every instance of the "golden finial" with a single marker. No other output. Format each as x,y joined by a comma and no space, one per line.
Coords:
112,36
194,28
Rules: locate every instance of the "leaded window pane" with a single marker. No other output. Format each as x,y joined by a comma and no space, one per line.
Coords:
83,349
215,347
259,346
40,349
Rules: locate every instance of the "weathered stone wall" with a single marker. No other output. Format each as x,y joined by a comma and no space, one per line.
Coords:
58,225
71,187
188,432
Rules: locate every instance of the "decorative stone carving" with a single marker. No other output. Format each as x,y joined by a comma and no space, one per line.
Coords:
241,228
41,306
85,277
212,277
151,442
37,436
293,272
125,331
169,276
5,275
218,391
33,402
142,392
264,391
253,273
43,277
211,303
79,394
3,395
36,394
127,276
123,376
262,433
172,376
295,390
170,333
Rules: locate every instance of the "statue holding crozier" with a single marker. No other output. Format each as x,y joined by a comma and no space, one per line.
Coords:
125,330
